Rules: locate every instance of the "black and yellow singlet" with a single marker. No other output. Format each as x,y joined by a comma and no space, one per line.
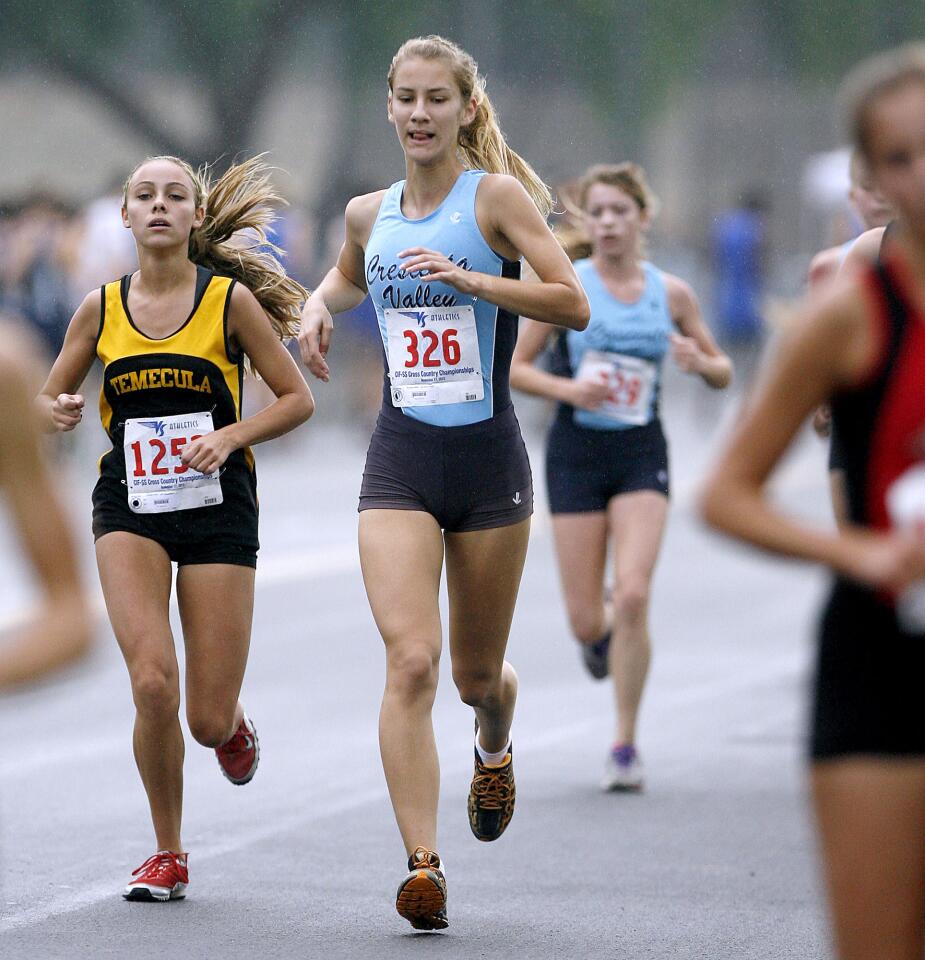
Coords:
193,370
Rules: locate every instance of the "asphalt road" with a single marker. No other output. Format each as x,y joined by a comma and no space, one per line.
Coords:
715,859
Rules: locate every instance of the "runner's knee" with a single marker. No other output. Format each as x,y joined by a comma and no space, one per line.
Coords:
631,599
412,671
156,691
475,685
209,728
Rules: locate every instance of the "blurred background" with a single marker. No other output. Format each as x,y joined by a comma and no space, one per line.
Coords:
730,106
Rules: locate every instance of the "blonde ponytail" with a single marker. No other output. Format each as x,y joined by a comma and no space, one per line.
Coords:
232,240
481,143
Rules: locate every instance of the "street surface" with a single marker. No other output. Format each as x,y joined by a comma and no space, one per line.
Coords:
714,860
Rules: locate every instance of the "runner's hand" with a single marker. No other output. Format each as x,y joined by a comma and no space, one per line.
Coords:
437,268
67,411
890,561
685,353
207,454
315,337
589,393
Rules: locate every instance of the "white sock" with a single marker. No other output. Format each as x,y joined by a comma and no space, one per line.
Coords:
491,759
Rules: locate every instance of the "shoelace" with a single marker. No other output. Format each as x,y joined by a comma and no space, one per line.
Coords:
157,866
423,859
492,788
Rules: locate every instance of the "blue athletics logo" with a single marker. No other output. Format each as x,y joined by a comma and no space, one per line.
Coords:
414,315
156,425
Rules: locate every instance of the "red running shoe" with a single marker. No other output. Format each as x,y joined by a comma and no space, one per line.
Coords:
162,877
239,757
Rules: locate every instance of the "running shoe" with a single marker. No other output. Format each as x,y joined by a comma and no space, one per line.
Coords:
596,657
491,796
239,757
163,876
623,770
421,897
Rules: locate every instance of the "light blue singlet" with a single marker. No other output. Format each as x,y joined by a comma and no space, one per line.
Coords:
637,330
426,347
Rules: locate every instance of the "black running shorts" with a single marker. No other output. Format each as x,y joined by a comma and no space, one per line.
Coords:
869,676
472,477
586,468
225,533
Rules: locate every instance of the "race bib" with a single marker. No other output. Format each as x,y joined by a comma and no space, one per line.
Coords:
156,479
433,356
631,381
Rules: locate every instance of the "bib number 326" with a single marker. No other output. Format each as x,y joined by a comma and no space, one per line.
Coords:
433,356
157,480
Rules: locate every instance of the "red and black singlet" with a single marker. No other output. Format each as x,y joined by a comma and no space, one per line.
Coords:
881,422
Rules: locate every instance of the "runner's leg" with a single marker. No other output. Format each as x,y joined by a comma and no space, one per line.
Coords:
401,555
135,574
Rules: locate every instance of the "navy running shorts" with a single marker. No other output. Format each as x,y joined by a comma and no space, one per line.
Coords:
586,468
472,477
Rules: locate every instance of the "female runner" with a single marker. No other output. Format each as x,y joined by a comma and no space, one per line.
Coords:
447,473
179,483
606,458
863,348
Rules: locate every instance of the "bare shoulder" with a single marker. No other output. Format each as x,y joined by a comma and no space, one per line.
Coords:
824,266
864,251
681,296
361,214
503,188
837,324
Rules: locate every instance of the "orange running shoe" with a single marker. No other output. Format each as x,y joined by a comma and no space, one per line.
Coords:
421,898
491,796
163,876
239,757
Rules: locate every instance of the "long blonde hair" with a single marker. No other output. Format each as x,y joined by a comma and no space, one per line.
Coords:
874,78
232,240
481,143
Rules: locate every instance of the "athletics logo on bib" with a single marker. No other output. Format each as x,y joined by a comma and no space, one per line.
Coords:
433,356
158,482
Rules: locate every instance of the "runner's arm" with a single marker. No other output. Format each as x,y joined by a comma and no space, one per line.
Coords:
60,632
832,347
59,405
515,228
343,287
250,328
695,350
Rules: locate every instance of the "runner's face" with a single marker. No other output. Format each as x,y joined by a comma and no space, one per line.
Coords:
897,151
427,109
160,207
613,220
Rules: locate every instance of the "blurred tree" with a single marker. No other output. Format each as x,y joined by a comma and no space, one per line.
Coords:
227,50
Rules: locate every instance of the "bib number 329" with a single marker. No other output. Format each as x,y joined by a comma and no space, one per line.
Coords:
157,480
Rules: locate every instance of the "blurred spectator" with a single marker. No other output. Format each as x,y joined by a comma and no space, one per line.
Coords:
104,249
738,269
35,266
